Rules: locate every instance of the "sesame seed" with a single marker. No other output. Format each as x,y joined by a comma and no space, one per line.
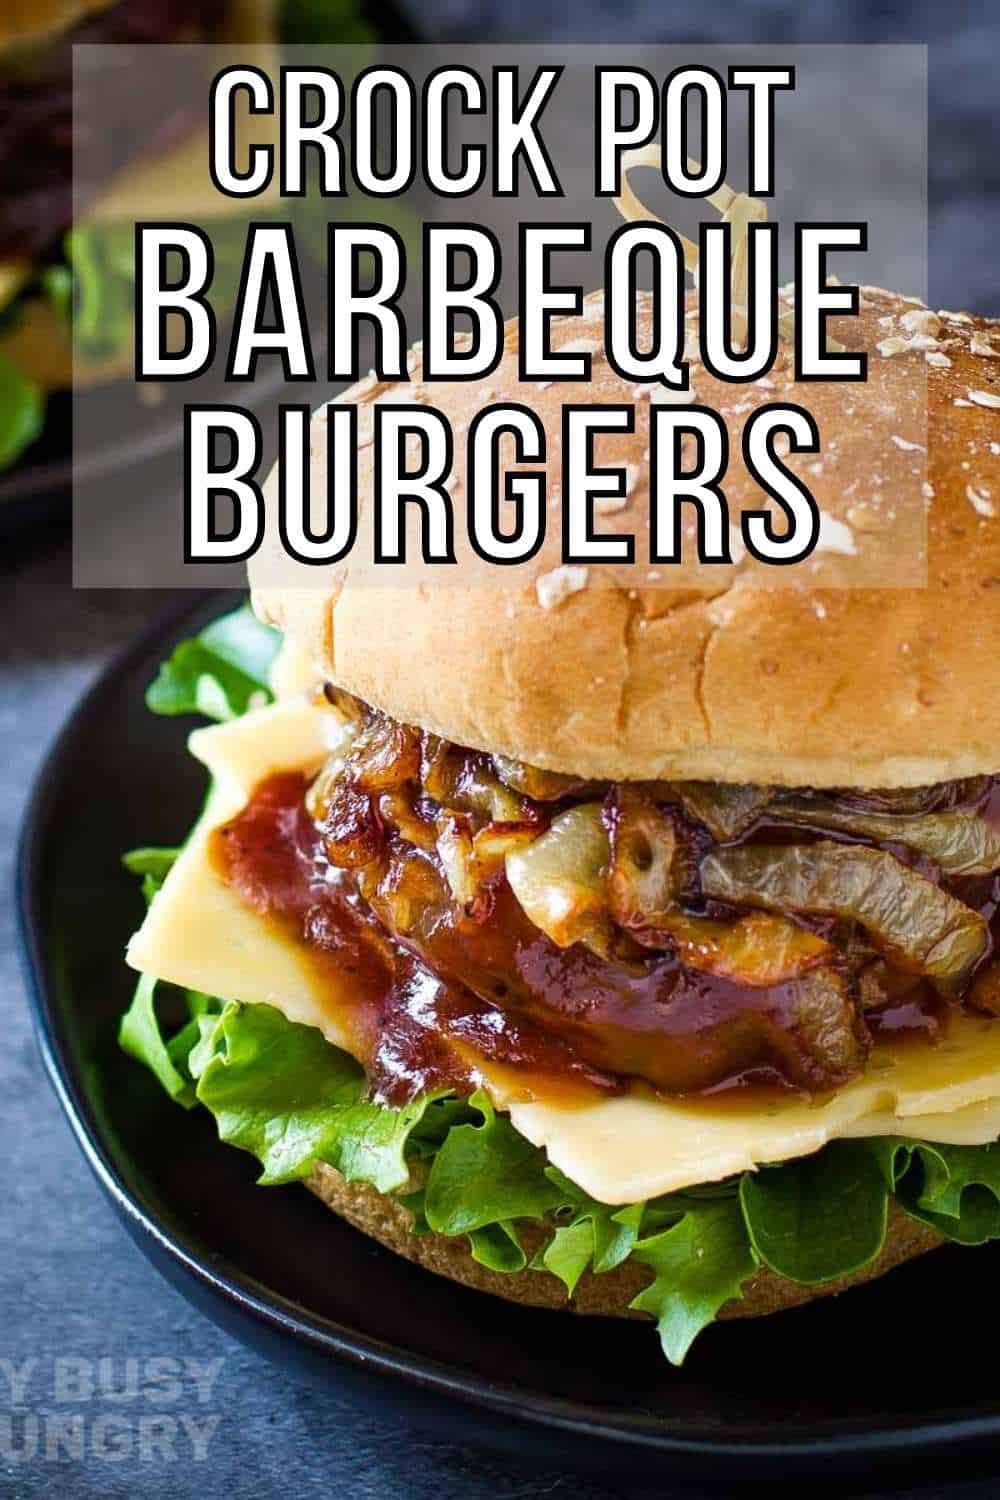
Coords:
834,536
980,501
921,320
666,395
553,587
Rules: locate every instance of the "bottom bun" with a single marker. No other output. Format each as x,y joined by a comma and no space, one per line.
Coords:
607,1295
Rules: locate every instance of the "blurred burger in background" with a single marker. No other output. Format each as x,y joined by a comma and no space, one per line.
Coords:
66,288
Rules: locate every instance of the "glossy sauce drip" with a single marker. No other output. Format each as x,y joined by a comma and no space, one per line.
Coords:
420,1005
413,1030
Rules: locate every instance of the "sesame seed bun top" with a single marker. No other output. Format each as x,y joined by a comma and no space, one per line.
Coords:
621,673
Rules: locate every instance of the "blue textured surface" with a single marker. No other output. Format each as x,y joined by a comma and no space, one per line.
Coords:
963,41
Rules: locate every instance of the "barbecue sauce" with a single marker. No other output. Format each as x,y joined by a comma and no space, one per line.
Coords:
422,1006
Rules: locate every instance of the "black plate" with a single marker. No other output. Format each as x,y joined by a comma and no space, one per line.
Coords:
899,1373
39,488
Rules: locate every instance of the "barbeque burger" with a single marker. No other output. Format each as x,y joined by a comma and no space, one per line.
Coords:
627,950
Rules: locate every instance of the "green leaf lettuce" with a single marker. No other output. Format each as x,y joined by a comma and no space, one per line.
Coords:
22,411
221,672
280,1091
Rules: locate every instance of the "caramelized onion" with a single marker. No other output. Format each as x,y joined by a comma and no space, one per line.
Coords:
351,829
325,785
409,890
496,840
479,791
384,757
471,859
455,851
440,766
915,921
430,829
756,950
396,811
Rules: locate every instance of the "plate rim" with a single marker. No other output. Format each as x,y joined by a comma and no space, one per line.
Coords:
854,1440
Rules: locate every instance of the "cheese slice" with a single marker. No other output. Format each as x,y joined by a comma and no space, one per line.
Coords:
293,672
198,933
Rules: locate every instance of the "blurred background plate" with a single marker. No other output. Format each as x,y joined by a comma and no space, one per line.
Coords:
40,488
48,135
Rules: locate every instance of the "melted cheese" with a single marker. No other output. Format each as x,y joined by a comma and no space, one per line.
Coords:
199,934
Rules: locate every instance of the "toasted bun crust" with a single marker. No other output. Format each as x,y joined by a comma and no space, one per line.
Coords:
607,1295
808,684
